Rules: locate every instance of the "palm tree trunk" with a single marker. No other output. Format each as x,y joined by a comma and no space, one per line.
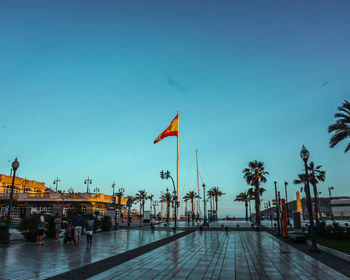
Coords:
192,211
316,202
246,210
257,204
167,212
250,211
216,205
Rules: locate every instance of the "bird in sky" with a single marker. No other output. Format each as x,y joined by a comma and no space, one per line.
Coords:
324,83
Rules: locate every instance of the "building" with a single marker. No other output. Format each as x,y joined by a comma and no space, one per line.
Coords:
20,185
32,197
340,208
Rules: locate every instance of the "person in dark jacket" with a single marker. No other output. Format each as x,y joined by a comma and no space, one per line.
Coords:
78,223
89,229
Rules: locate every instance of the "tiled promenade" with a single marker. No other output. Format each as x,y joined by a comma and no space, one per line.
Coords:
223,255
27,261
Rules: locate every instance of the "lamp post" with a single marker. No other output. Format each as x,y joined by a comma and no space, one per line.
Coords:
330,201
175,205
113,186
96,190
166,175
285,190
120,192
15,165
277,210
129,204
167,206
155,204
205,206
304,154
55,182
87,182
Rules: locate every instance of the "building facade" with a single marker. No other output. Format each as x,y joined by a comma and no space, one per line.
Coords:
32,197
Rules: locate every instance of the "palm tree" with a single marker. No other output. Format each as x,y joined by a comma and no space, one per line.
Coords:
141,196
150,197
216,193
316,175
341,127
250,194
191,196
243,197
167,198
255,175
210,197
130,200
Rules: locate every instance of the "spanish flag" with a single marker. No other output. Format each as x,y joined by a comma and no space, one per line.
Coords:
171,130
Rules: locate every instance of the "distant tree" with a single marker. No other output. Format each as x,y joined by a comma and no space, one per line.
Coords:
216,192
166,198
150,197
141,196
255,175
341,127
316,175
243,197
191,196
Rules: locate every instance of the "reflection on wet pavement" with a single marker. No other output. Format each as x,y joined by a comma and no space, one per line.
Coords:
27,261
223,255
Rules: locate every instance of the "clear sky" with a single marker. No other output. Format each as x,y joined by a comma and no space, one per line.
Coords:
86,86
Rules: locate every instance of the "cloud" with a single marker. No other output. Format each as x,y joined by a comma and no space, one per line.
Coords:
177,85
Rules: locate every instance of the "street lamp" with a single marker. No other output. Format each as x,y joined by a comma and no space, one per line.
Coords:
277,210
285,189
330,201
113,186
15,165
304,154
96,190
166,175
205,206
55,182
87,182
155,204
167,206
120,192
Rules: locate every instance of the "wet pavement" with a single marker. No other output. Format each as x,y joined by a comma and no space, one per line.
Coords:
223,255
27,261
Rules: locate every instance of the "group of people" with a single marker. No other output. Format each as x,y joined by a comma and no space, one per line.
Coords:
80,226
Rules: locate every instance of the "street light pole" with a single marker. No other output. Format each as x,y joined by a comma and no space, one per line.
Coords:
88,182
166,175
167,206
205,206
277,210
55,182
304,154
330,201
15,165
285,189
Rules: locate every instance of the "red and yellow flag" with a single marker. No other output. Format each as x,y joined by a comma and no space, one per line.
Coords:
171,130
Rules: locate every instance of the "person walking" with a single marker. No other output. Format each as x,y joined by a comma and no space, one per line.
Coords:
78,223
89,229
41,229
58,221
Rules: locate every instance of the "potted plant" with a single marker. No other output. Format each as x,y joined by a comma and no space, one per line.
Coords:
29,227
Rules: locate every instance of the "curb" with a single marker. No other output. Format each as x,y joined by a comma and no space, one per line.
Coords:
331,251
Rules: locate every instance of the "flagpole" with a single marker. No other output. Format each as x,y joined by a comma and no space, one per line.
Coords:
178,165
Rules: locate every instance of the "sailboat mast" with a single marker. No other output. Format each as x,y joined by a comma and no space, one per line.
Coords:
199,190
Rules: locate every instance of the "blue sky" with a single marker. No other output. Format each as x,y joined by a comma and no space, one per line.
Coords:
86,86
